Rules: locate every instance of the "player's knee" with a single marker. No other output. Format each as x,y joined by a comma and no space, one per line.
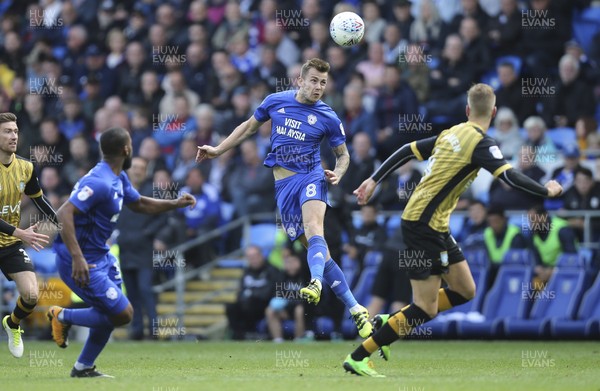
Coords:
123,318
468,292
269,313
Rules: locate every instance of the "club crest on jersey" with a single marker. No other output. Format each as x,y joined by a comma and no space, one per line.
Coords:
21,186
312,119
85,193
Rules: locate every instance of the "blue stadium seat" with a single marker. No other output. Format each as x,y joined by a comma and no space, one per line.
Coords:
263,236
491,78
477,258
324,326
350,269
456,224
562,137
559,300
587,322
393,224
522,257
491,132
444,325
504,299
43,260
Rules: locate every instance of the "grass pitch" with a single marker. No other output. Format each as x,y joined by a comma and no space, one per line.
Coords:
264,366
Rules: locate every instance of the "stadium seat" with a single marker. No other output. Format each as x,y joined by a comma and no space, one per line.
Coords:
444,325
587,321
44,261
263,236
350,269
393,224
522,257
504,299
558,300
562,137
231,263
456,224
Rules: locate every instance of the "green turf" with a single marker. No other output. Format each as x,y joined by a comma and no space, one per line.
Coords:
415,366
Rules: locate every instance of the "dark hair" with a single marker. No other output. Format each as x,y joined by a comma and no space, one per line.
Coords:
539,209
112,141
585,171
496,209
7,117
507,64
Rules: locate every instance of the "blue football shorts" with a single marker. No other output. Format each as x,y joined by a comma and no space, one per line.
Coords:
292,192
104,290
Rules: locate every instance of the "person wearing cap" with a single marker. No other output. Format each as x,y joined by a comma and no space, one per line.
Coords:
499,237
565,174
95,68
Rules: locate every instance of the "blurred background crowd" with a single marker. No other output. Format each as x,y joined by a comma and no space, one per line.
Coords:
183,73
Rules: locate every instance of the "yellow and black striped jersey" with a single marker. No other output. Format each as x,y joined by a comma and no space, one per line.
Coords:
454,159
16,179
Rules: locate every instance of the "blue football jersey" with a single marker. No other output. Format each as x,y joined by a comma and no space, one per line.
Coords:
99,195
297,130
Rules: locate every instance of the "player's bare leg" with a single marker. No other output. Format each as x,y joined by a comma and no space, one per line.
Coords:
461,286
313,214
27,287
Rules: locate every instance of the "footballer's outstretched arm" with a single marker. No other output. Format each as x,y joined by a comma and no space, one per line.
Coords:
518,180
239,134
342,161
153,206
421,150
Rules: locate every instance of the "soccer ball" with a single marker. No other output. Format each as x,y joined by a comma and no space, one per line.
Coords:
347,29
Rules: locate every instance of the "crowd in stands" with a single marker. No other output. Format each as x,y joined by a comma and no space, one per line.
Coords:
183,73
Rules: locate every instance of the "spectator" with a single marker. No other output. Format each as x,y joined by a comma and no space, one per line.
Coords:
510,93
202,217
286,50
96,67
130,73
574,99
29,123
54,145
449,81
374,23
500,237
507,133
402,17
370,236
550,236
397,188
286,304
12,53
476,51
233,24
150,150
72,63
589,70
175,85
426,28
355,118
373,68
270,69
137,254
173,128
584,195
241,109
205,124
393,43
471,235
510,199
257,287
542,45
51,181
166,17
251,185
504,30
186,160
538,142
81,161
151,96
470,9
416,70
116,42
196,69
91,100
319,38
339,66
72,122
395,107
565,174
243,58
362,164
229,80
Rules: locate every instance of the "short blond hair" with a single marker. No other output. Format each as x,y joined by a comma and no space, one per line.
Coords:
481,99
